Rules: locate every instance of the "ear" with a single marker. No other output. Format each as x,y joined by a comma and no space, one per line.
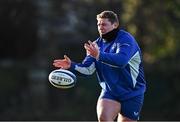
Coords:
115,25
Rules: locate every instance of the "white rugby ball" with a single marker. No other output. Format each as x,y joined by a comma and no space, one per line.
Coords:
61,78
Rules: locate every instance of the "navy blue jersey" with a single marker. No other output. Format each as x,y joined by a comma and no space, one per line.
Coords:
119,67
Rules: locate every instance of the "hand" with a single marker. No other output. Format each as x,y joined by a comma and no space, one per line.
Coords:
92,49
63,63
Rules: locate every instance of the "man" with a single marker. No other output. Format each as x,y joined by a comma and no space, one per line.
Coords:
117,60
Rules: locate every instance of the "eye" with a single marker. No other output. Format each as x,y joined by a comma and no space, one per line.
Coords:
101,24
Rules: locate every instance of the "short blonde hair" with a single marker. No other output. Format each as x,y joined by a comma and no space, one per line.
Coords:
110,15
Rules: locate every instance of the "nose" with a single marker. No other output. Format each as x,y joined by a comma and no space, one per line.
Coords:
100,27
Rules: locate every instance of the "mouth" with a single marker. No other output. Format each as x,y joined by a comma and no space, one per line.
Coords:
101,31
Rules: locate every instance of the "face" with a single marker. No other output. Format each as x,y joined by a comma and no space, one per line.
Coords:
105,26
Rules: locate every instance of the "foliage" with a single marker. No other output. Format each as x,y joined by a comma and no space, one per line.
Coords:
34,33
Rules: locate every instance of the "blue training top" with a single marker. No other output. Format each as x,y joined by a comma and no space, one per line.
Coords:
119,67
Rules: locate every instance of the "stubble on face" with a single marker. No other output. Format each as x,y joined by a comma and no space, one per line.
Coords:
104,26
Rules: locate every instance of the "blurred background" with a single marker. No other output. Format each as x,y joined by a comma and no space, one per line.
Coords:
35,32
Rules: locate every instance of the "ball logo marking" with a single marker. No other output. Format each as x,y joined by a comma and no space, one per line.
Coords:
62,78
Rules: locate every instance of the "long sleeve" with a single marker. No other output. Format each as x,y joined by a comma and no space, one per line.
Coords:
87,67
119,59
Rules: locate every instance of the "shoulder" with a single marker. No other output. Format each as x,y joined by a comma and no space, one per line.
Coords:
125,36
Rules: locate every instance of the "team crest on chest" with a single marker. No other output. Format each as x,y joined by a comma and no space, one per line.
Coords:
116,46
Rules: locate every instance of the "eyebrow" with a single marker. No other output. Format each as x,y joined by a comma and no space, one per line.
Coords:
101,23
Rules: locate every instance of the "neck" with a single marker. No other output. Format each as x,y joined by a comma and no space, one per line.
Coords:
110,36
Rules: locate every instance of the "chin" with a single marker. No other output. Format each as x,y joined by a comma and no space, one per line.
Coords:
102,33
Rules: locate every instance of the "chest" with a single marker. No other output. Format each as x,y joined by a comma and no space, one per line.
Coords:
109,47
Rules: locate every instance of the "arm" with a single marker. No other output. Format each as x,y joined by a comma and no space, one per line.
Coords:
87,67
120,58
123,54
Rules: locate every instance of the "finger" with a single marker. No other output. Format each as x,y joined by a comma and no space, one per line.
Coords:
67,58
57,60
61,64
91,45
90,42
87,47
60,61
57,65
94,44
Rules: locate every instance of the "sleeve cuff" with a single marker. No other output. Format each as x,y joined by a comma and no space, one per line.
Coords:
100,58
72,67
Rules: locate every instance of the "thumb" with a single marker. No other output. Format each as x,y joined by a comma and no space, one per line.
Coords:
67,58
95,44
